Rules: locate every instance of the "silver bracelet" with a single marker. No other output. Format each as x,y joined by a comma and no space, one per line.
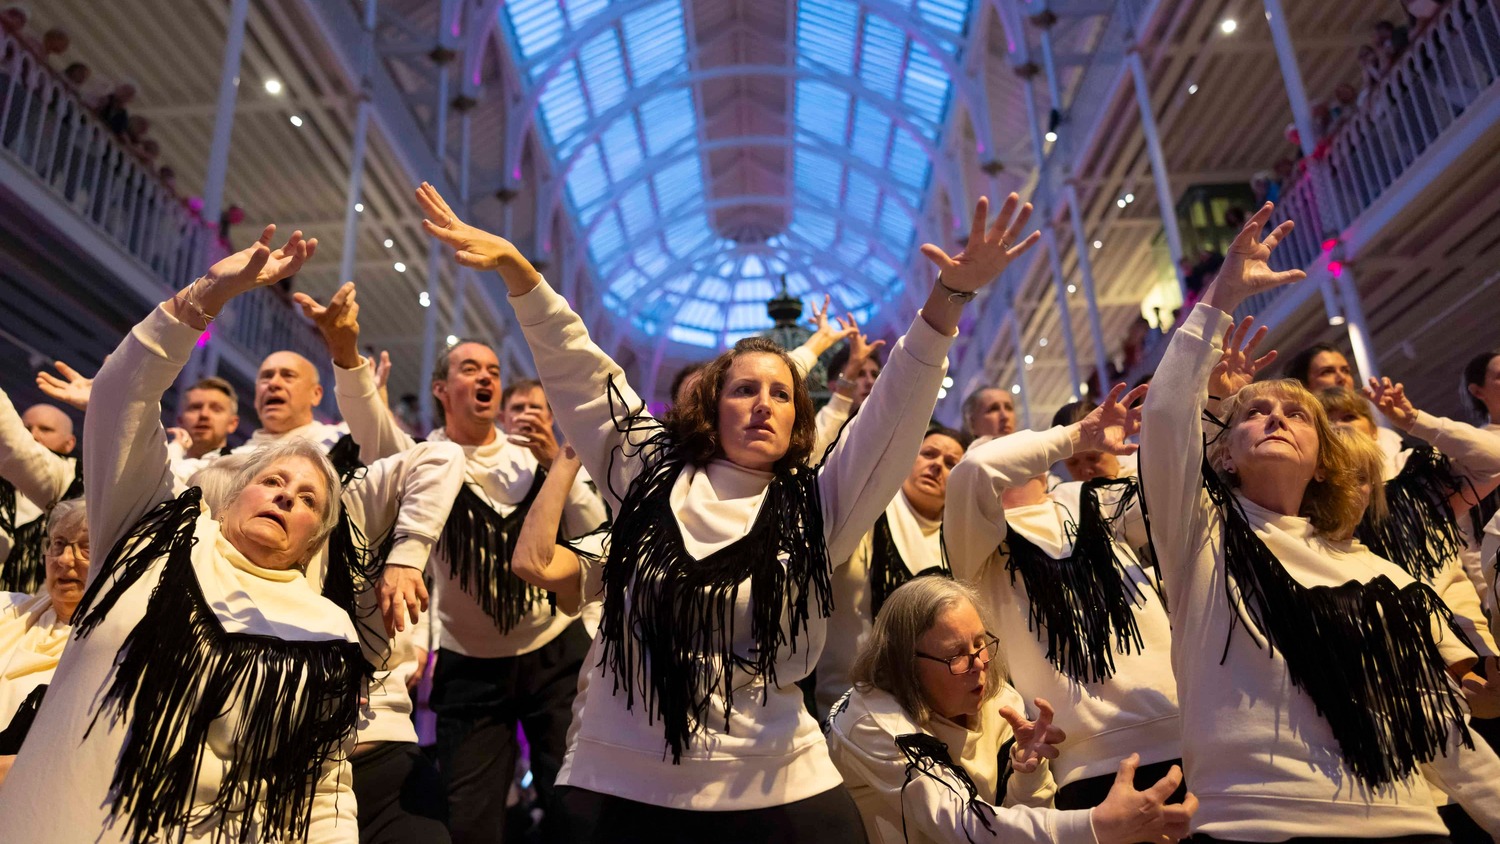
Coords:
190,296
959,296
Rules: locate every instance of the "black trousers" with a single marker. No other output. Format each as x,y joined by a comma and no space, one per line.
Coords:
400,796
478,703
589,817
1086,794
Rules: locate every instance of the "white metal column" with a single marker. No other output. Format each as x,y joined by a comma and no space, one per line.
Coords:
229,82
1165,201
442,59
357,152
1086,272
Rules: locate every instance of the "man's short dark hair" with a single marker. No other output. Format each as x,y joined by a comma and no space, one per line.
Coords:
1301,363
214,382
520,385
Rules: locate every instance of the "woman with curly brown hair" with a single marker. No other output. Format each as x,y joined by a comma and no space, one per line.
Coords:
690,725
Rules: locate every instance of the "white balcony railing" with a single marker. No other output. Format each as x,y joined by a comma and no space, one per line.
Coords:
48,130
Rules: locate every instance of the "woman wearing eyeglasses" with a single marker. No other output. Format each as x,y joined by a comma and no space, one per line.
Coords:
34,628
931,741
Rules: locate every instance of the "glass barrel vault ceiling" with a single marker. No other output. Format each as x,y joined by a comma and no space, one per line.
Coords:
618,112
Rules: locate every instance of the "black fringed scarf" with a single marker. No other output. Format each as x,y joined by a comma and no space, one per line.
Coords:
478,543
354,563
668,624
179,672
25,569
888,570
1362,652
1085,601
15,732
927,754
1421,530
1481,513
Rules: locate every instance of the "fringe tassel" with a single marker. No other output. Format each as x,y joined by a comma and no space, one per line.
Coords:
1421,530
668,623
1481,513
888,570
1363,652
928,755
478,543
15,732
1085,601
354,564
290,704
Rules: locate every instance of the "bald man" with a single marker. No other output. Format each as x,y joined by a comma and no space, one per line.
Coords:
35,474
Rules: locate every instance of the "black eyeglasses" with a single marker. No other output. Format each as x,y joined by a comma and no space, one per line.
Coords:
964,663
80,549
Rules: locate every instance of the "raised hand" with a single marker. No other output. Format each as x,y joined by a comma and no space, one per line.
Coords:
383,377
180,437
473,247
534,433
827,332
258,265
1390,399
72,389
1035,740
1237,364
988,252
1246,270
1111,425
338,323
1127,816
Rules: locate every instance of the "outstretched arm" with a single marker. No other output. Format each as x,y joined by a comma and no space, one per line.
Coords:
71,389
867,466
1171,455
538,558
974,516
576,374
357,382
125,466
1475,452
36,471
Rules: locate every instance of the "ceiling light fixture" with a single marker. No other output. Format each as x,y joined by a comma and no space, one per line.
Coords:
1228,26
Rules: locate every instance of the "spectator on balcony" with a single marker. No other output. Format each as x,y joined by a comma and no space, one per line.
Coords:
168,178
13,20
1391,40
77,74
1374,64
1344,103
55,42
112,108
1422,12
232,215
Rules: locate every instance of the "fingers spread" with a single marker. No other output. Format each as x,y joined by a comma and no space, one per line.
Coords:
937,256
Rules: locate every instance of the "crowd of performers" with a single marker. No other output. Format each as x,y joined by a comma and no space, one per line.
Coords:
1221,605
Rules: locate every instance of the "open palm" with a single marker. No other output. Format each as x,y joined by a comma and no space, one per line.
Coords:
1110,426
258,265
987,252
1238,364
473,247
1247,263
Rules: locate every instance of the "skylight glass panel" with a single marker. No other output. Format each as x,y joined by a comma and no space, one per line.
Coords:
638,186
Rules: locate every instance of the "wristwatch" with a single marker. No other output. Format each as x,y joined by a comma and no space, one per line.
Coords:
959,296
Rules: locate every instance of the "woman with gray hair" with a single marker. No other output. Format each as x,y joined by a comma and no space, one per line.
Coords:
931,741
209,692
34,628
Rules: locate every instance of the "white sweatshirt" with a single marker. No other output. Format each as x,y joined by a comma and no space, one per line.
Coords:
31,640
1264,764
1475,454
1135,710
932,808
41,476
126,473
919,542
501,473
773,752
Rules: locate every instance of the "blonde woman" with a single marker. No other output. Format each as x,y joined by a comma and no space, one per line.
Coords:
933,747
1313,677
